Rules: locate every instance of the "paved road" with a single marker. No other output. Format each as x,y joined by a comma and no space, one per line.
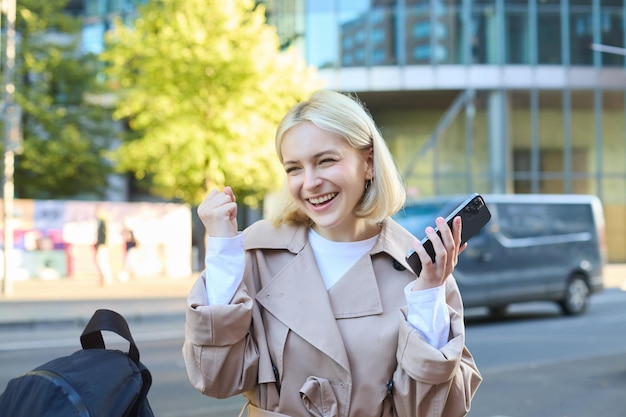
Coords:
535,361
148,301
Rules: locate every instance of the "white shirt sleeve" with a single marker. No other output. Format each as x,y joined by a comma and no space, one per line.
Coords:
224,263
428,313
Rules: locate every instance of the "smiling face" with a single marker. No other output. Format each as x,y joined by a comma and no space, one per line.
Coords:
326,178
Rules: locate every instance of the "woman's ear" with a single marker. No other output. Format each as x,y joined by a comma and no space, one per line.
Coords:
369,160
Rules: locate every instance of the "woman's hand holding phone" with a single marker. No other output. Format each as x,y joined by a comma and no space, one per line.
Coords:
472,214
447,246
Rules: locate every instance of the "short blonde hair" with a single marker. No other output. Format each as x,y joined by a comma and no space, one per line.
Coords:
346,117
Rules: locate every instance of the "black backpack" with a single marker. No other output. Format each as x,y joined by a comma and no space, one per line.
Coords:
92,382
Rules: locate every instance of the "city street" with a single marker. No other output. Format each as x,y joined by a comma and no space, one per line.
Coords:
144,145
535,362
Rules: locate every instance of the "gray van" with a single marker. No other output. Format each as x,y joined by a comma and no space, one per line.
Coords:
536,247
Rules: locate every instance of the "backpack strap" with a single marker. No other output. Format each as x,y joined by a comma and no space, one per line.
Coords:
104,319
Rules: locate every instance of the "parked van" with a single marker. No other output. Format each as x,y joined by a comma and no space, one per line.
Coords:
536,247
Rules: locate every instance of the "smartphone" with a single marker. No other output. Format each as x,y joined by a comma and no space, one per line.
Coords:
474,215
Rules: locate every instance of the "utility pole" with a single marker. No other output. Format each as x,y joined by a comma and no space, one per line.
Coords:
11,145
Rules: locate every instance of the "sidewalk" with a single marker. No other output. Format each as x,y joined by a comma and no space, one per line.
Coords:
615,276
88,288
68,301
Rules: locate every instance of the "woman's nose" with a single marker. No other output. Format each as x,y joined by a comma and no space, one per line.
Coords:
311,179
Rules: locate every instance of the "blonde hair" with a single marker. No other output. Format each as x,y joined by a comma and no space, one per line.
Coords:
346,117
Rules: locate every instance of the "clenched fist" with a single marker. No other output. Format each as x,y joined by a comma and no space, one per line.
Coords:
218,213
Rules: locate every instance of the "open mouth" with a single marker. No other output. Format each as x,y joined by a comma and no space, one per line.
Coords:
322,199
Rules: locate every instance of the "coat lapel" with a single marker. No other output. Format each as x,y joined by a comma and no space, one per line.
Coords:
356,293
296,294
297,297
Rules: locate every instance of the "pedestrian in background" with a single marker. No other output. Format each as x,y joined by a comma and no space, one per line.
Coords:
316,312
103,262
130,249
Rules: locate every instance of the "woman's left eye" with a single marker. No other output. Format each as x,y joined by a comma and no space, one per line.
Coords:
327,161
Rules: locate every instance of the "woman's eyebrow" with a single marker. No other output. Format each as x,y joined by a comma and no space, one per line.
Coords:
317,155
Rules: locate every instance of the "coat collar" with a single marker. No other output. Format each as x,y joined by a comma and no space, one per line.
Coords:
393,240
396,241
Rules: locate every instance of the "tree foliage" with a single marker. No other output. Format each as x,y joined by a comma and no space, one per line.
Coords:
64,136
202,85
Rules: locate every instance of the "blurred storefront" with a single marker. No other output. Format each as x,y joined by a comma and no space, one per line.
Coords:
56,239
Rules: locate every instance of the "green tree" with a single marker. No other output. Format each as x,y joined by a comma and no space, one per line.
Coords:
202,85
65,136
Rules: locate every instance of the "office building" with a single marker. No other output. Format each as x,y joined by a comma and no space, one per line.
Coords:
493,96
490,96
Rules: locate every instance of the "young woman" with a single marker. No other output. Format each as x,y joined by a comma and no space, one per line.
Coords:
315,312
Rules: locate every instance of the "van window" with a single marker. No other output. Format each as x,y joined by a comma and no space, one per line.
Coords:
535,220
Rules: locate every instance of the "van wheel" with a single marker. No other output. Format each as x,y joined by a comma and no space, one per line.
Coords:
576,297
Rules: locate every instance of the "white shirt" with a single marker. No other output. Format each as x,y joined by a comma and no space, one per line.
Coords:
334,259
225,262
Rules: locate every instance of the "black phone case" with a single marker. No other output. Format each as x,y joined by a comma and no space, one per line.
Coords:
474,215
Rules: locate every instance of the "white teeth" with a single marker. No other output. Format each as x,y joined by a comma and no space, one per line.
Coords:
322,199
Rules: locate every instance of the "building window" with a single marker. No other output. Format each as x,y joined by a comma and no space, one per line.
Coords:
421,53
377,36
378,56
421,30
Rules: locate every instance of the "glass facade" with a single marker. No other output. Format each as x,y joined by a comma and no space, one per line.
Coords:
98,17
462,32
547,109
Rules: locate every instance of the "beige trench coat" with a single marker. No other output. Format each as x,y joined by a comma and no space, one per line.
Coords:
296,349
